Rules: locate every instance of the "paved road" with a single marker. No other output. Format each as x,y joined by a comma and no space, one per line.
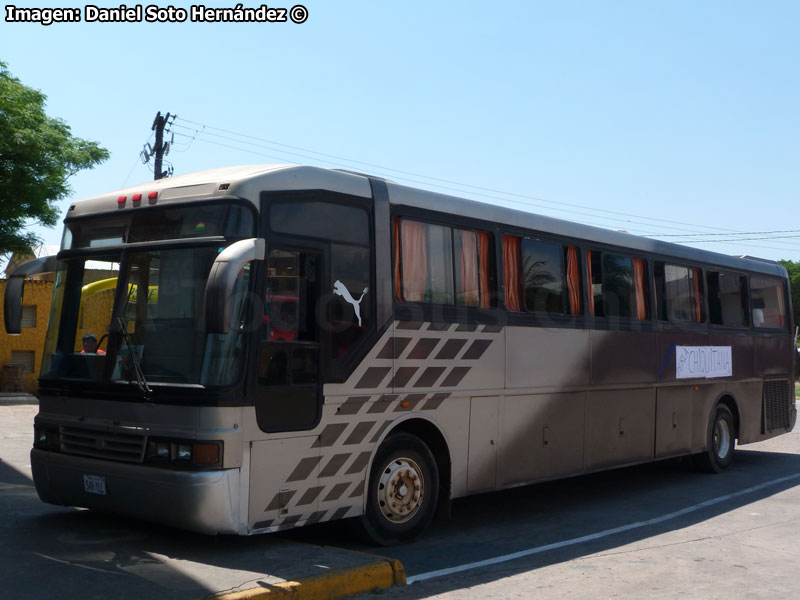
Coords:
728,544
733,546
50,551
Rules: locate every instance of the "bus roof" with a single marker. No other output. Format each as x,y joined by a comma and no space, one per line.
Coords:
407,196
248,181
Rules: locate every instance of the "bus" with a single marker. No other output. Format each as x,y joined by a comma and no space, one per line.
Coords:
322,344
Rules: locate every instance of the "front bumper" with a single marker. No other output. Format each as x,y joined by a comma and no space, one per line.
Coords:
202,501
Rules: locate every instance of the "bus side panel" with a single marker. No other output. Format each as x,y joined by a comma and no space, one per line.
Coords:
542,357
773,356
623,357
484,416
282,489
748,398
542,437
744,353
619,427
674,423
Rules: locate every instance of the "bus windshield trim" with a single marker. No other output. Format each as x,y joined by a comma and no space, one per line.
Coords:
154,245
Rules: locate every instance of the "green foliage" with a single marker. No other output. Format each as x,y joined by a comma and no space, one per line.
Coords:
794,284
38,154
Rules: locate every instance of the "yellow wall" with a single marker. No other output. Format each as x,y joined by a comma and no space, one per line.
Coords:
37,293
95,317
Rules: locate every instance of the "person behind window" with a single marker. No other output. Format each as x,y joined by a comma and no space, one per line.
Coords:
90,345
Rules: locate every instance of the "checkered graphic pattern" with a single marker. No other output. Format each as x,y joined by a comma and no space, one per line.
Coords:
415,367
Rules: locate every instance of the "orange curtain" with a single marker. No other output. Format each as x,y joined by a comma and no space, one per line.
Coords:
512,250
698,313
483,249
397,281
589,277
573,281
781,309
469,268
639,285
415,261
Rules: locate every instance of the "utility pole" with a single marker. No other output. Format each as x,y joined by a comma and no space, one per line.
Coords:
161,148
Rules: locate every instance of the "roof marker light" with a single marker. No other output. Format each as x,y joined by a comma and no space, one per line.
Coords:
137,198
152,195
120,200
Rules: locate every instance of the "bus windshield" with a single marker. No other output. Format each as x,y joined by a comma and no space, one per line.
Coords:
132,309
165,326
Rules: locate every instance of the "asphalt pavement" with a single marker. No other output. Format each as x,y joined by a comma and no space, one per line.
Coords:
653,531
49,550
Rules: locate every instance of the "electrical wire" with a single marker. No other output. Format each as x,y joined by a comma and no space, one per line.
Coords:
191,140
743,233
614,220
495,191
138,160
687,233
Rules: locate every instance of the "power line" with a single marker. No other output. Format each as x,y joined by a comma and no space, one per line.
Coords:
486,189
136,162
626,222
742,233
202,133
777,237
199,139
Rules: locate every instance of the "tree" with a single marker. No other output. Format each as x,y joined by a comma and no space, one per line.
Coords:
38,154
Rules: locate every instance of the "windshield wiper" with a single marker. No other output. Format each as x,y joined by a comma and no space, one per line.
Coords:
137,367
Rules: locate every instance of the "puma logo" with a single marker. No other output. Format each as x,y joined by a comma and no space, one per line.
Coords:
340,290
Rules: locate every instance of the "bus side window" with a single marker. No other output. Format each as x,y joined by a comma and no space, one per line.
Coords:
286,281
678,293
727,299
618,285
769,310
550,277
441,265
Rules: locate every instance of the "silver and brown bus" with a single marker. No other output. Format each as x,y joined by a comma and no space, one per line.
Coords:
252,349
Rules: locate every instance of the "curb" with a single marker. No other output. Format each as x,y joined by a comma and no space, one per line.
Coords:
377,575
13,399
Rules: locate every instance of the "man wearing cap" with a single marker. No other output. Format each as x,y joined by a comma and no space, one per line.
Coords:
90,345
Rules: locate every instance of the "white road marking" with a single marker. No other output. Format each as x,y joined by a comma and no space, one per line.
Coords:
74,564
595,536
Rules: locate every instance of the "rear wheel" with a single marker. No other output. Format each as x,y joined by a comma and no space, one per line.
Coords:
402,492
721,442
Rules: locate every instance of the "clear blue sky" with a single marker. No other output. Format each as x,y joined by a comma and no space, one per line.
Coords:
680,111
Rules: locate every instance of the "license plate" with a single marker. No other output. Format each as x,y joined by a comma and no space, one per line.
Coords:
94,484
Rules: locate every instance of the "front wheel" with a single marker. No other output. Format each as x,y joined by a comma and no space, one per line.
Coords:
721,442
402,492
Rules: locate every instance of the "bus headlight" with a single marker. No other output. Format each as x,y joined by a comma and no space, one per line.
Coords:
158,450
184,453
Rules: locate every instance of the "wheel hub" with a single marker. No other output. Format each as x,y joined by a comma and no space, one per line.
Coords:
722,439
400,490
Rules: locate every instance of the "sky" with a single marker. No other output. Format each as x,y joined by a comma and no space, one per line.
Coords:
677,120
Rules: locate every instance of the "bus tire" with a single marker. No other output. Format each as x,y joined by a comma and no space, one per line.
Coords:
720,444
402,492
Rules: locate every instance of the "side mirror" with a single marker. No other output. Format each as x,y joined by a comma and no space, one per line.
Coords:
12,302
224,271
